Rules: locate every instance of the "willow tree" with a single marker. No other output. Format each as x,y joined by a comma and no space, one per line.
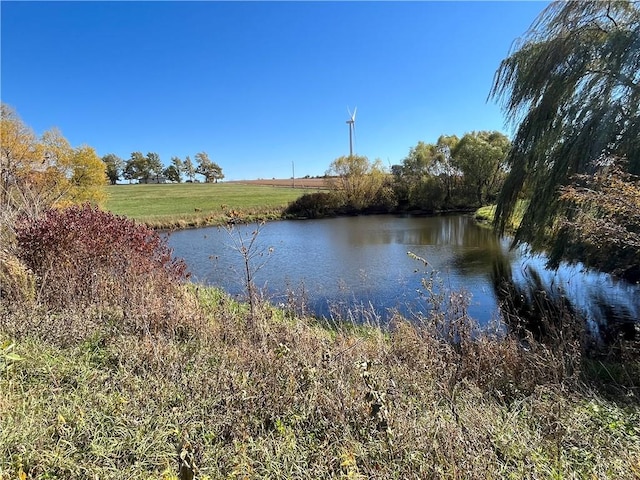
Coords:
572,87
358,182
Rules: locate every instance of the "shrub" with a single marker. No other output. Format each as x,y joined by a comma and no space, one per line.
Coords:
84,257
314,205
428,194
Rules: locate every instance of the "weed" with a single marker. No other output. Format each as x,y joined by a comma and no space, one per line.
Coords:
180,388
254,255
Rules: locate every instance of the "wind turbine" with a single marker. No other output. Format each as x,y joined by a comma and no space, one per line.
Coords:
352,127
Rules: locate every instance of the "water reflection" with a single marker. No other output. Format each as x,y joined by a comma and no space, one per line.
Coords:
363,261
527,291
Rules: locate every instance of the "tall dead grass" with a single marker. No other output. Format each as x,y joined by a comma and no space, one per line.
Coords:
214,388
301,400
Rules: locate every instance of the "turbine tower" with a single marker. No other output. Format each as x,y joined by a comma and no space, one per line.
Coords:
352,127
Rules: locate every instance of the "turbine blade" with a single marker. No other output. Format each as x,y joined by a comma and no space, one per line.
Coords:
354,114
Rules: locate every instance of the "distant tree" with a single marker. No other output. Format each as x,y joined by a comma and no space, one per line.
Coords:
444,166
571,85
421,161
356,180
481,158
114,166
178,165
128,172
154,165
428,176
211,171
87,177
417,167
172,173
189,169
137,168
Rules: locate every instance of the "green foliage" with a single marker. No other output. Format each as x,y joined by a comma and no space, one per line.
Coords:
137,168
480,156
154,164
571,83
427,193
143,168
189,168
8,357
418,168
113,167
172,173
452,173
210,170
178,168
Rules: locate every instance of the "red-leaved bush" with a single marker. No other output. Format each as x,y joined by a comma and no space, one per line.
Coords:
85,257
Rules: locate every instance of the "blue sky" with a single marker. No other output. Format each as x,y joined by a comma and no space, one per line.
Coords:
259,86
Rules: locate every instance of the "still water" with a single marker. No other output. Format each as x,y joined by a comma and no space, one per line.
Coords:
341,264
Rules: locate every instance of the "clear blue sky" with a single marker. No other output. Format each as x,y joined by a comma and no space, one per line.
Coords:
257,85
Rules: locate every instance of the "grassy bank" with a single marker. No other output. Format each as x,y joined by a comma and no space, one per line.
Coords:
112,365
90,395
485,215
185,205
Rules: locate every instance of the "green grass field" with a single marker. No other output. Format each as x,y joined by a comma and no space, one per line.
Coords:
187,205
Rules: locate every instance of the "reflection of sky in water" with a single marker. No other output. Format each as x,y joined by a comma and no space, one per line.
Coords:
590,292
363,261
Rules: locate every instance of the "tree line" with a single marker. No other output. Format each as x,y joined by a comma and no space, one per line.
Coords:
149,167
452,174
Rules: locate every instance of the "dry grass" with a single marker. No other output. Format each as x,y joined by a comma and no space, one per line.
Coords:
168,383
293,398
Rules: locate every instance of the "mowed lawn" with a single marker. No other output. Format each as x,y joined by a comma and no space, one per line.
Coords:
193,204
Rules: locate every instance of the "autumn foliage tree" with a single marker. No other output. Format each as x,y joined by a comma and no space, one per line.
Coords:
41,172
602,216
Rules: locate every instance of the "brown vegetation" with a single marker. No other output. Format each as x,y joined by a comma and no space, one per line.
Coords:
194,383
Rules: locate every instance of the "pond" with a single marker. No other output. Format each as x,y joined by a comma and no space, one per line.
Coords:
348,264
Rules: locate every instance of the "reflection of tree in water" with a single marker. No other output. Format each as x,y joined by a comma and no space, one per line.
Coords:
548,313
